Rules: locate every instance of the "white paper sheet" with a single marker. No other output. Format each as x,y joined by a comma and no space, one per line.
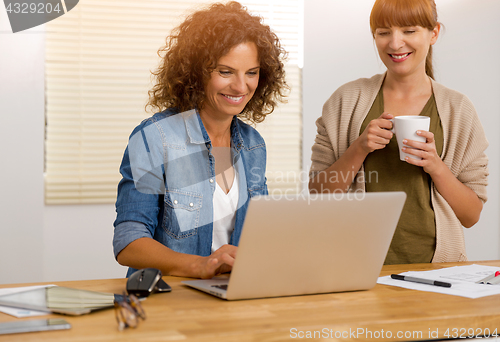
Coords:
16,312
462,279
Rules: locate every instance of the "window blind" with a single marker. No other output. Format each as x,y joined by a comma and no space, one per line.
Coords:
98,62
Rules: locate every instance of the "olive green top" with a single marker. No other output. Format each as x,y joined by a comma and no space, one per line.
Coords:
464,146
415,238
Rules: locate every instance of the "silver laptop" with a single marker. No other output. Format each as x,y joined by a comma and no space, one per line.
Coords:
296,245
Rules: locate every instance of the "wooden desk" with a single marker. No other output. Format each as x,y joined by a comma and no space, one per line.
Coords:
187,314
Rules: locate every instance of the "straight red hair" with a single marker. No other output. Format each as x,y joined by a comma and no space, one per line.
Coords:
403,13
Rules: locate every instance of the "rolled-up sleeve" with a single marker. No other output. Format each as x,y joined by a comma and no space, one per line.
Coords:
140,189
126,232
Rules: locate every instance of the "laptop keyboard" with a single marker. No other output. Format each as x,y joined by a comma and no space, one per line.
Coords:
222,287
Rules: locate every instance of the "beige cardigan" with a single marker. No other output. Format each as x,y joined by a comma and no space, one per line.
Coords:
463,149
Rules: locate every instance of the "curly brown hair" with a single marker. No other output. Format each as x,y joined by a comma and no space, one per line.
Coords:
193,49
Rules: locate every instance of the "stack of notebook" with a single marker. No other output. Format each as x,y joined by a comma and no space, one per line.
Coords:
59,299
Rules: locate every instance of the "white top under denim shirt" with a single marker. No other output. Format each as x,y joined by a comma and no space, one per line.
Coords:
225,205
168,182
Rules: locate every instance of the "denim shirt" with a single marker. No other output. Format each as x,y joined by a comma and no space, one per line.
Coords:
168,182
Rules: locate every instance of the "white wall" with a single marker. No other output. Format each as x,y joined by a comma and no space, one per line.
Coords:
21,153
339,48
461,63
38,242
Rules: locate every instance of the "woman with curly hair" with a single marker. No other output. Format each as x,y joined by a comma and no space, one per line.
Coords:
190,169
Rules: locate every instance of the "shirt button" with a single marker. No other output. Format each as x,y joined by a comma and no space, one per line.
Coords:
211,180
175,202
191,204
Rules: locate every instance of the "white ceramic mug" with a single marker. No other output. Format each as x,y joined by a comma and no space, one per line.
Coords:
406,127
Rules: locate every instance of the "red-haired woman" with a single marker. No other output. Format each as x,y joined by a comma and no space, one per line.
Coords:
446,188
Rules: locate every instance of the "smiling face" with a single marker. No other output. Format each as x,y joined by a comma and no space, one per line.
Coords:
232,83
403,50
